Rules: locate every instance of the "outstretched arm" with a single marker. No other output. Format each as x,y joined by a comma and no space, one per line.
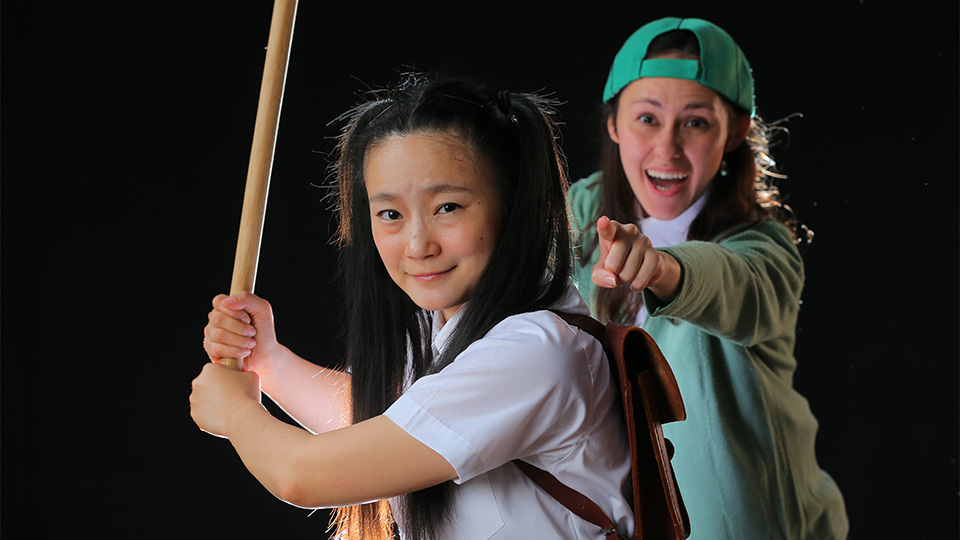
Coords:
745,287
627,257
368,461
242,326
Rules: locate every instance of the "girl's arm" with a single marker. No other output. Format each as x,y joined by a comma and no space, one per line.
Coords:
243,327
368,461
628,257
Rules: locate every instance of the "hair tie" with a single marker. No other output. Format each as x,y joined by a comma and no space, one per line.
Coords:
503,103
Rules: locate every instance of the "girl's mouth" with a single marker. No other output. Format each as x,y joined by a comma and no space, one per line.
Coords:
666,181
429,276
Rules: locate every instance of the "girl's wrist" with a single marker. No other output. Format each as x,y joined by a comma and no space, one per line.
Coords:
243,414
270,369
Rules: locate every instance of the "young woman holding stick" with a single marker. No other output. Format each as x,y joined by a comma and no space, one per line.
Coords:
455,246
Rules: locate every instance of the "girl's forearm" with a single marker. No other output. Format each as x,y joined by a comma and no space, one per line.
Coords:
266,446
368,461
315,397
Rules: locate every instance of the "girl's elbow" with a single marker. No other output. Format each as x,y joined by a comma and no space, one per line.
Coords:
297,491
293,484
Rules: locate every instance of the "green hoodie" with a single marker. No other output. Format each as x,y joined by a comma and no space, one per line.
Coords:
745,457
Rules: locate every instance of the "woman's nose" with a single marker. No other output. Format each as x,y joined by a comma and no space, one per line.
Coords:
668,143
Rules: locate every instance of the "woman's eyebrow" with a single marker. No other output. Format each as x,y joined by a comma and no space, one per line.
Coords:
698,105
651,101
689,106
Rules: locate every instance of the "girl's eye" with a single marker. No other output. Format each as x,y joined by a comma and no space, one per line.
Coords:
696,123
647,119
446,208
388,215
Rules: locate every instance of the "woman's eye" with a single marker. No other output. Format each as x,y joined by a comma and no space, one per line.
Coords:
696,123
647,119
446,208
388,215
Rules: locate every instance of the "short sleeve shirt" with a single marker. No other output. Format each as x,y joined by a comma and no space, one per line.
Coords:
536,389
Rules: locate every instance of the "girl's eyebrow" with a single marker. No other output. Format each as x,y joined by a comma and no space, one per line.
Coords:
432,189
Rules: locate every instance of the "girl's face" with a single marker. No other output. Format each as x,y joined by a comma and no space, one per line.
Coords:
435,216
672,135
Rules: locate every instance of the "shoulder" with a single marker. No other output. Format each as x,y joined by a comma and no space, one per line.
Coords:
767,236
758,247
542,328
537,345
542,343
585,196
589,185
778,232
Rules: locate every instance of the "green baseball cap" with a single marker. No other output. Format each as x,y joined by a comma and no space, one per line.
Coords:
722,65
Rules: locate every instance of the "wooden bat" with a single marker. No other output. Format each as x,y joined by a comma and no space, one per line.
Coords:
261,153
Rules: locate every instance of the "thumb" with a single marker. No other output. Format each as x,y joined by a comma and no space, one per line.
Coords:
258,308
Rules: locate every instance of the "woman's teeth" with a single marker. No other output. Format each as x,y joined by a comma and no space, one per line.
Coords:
665,181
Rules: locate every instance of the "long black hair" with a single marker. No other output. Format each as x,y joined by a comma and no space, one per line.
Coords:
528,270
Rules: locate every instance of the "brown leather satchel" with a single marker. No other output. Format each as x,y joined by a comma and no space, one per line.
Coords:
650,397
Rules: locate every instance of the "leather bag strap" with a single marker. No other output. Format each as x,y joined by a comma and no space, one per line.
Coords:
648,389
573,500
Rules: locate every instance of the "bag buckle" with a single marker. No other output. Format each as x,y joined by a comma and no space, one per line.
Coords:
607,532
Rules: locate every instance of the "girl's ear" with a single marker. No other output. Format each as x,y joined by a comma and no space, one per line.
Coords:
612,129
738,133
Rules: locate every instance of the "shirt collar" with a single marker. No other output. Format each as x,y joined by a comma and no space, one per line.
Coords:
570,302
442,329
672,232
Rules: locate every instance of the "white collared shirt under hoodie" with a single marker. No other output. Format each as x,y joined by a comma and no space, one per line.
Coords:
536,389
669,233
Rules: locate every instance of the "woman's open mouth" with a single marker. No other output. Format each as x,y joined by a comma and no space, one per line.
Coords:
666,181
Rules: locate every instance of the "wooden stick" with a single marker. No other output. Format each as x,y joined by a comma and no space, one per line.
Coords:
261,153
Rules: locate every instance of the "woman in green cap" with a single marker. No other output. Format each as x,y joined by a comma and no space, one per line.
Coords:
684,234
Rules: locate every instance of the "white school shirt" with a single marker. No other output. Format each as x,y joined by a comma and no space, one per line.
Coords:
533,388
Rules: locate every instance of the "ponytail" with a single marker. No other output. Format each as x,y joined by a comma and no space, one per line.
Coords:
528,269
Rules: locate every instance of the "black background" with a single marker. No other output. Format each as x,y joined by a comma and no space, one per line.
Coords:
126,132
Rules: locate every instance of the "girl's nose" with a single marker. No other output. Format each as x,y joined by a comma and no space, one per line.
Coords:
422,242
